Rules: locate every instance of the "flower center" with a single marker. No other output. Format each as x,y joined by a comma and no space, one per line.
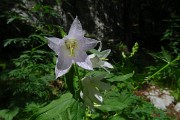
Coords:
71,44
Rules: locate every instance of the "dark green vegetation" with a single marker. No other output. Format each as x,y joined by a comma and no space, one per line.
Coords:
27,81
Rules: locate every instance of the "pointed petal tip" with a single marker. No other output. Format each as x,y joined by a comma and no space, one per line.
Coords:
60,73
76,29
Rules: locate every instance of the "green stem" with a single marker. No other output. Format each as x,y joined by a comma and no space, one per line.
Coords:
69,80
79,81
77,71
169,63
38,46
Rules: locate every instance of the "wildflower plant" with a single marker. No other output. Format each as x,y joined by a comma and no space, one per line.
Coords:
71,51
87,85
86,77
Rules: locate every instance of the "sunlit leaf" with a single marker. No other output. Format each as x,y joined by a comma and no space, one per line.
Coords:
64,108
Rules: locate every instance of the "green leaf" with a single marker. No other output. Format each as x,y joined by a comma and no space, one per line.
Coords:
121,78
39,37
76,112
13,18
112,105
166,55
55,109
117,102
62,32
97,77
17,41
117,118
8,114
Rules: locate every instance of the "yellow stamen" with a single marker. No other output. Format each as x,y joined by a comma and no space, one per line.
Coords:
71,45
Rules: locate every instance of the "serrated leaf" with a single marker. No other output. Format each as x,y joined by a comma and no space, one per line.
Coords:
13,18
39,37
121,78
9,41
166,55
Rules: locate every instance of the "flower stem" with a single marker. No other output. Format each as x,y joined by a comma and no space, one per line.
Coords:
38,46
69,80
77,71
169,63
79,81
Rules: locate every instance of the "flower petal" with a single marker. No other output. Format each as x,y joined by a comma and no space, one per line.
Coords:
105,64
94,60
81,94
76,29
99,97
64,60
83,61
104,53
80,56
55,43
63,63
86,65
60,73
88,43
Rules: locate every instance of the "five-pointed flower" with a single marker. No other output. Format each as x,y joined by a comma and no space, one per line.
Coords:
72,49
99,59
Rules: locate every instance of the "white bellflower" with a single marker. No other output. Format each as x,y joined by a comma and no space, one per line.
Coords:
99,59
72,49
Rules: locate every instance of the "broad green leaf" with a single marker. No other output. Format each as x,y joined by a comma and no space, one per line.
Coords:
8,114
54,109
101,85
76,112
121,78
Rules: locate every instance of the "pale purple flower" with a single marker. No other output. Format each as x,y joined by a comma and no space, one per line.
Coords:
72,49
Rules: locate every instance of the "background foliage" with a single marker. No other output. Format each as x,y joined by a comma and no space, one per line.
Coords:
28,88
